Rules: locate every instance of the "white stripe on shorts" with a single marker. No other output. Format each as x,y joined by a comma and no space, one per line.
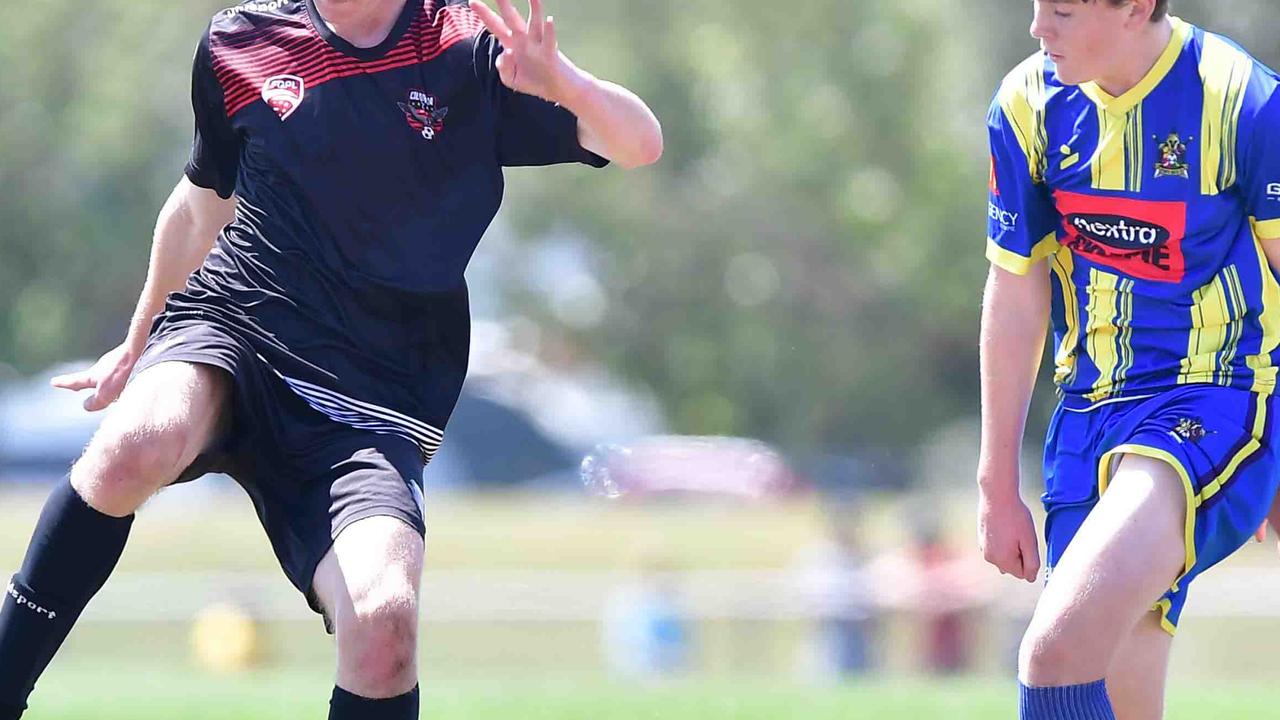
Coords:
365,416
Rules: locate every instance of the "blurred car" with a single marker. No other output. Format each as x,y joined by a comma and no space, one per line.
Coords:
490,443
668,465
42,429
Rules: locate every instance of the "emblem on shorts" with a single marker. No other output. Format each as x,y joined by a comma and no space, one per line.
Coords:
422,114
1189,429
283,93
1173,156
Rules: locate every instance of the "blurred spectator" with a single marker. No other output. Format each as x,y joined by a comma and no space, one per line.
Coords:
647,635
838,593
942,590
947,642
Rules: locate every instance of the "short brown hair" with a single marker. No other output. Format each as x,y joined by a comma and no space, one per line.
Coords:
1157,14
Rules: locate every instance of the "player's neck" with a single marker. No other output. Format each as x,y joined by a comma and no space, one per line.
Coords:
363,23
1147,47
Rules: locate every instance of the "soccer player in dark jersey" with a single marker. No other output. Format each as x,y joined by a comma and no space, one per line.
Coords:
304,324
1135,208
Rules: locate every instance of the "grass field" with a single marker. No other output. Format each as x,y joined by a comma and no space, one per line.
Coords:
82,692
482,669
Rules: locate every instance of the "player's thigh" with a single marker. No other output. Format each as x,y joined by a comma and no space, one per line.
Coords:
1127,553
165,417
1136,680
373,569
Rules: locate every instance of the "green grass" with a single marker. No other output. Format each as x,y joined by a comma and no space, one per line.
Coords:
142,692
482,670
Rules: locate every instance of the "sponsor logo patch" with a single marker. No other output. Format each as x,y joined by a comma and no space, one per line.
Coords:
284,94
1005,219
266,6
1140,238
25,602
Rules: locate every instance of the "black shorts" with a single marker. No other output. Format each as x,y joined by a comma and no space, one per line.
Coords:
309,476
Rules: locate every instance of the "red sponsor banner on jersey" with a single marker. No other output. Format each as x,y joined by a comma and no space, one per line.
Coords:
1140,238
992,184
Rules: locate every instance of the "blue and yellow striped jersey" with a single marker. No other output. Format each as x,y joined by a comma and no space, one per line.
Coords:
1149,208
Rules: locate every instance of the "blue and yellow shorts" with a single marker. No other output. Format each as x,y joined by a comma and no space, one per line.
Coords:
1220,441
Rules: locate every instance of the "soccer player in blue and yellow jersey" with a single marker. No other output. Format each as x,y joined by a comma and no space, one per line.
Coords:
304,325
1135,204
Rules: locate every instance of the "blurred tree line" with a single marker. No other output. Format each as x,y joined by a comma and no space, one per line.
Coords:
804,265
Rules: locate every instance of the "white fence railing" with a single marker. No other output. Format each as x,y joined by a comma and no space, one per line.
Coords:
557,595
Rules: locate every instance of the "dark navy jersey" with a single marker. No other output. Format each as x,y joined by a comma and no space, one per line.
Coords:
365,179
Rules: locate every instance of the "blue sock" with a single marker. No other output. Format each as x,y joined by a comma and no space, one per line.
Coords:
73,550
346,706
1068,702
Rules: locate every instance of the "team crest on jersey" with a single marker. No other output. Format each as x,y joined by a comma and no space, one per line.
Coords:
1173,157
422,114
283,93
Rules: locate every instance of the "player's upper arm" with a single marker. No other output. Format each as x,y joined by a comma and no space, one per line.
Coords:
531,131
1259,161
206,209
215,147
1021,218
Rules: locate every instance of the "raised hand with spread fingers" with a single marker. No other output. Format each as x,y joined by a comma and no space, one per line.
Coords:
612,121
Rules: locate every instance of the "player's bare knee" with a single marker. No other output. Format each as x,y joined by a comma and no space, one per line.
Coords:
389,610
121,469
1052,655
383,638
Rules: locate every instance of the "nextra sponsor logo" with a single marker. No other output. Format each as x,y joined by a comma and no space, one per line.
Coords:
24,601
1120,232
1139,238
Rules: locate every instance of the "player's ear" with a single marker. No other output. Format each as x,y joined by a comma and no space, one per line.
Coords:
1139,14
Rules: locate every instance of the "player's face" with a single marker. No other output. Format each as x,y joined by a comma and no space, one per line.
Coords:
1084,40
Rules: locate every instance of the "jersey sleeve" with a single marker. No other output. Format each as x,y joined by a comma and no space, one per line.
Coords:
531,131
1021,218
1260,169
215,149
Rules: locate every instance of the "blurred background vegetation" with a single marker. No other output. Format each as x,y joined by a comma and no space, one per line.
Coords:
804,266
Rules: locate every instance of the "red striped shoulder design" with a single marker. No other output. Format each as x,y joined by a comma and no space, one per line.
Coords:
244,61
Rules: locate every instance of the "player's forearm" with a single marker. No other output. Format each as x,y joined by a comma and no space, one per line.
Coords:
612,121
185,231
1015,312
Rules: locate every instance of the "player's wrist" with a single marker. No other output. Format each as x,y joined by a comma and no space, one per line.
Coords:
999,483
573,86
135,339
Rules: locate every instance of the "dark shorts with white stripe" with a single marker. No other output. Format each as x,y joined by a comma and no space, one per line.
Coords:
308,475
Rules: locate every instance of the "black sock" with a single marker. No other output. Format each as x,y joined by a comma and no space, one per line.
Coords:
345,706
71,555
